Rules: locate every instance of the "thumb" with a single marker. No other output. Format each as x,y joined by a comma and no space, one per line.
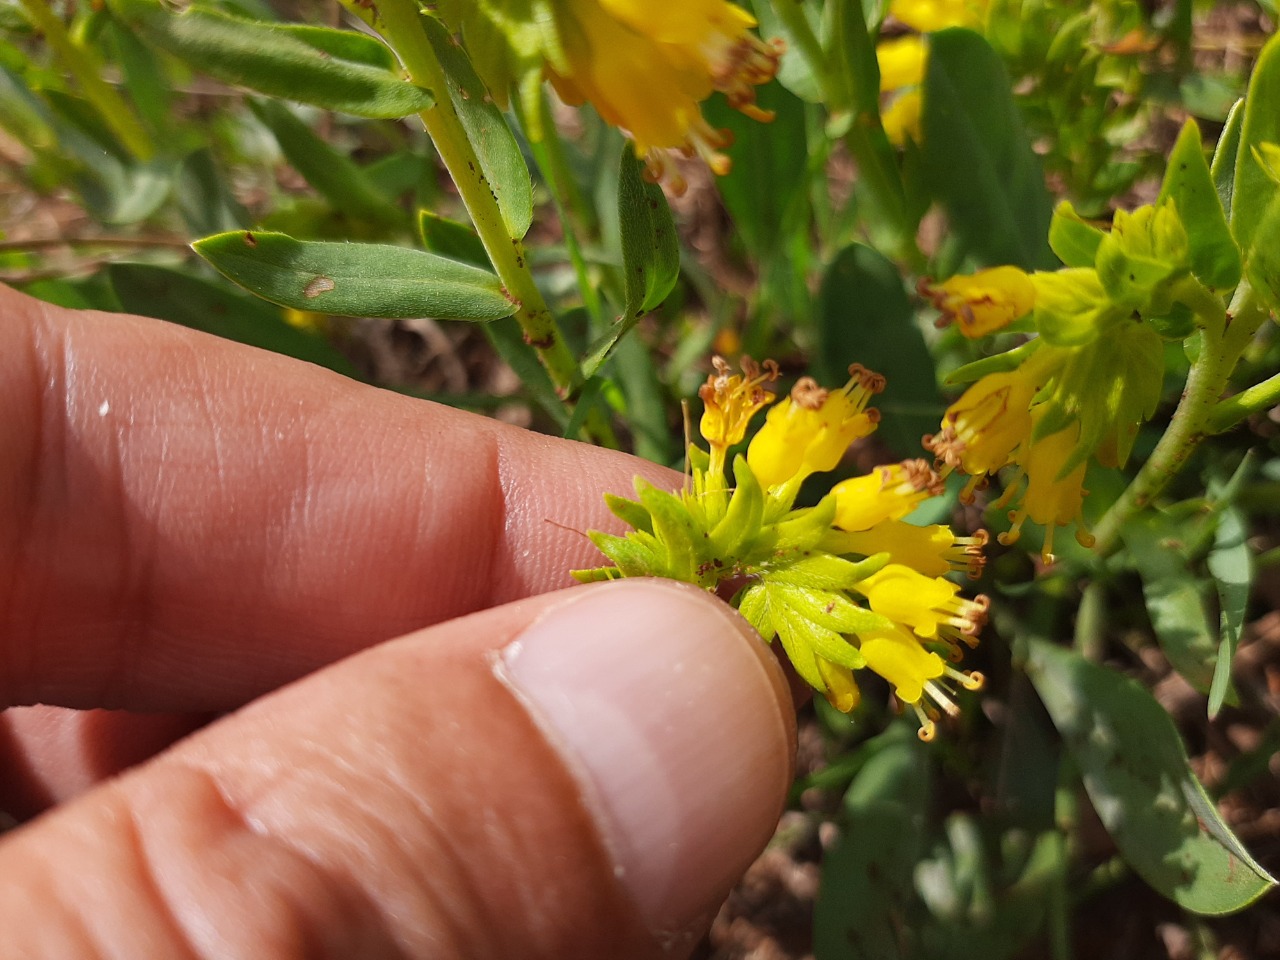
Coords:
580,774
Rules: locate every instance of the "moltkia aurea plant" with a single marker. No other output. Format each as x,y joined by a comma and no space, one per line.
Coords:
1102,372
845,585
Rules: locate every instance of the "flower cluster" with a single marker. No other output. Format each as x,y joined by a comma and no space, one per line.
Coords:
1088,379
845,585
645,66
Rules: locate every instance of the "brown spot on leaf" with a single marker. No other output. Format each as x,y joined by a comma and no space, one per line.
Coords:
318,286
250,240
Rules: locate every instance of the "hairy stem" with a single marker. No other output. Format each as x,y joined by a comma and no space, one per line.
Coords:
1193,420
398,21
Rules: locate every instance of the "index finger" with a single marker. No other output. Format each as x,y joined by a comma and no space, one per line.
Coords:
187,522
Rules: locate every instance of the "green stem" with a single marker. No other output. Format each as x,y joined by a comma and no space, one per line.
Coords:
1193,420
1229,412
83,66
399,22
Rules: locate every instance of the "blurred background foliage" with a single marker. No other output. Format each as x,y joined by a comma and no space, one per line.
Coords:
1031,828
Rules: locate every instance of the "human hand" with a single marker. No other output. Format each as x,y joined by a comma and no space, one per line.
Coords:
192,526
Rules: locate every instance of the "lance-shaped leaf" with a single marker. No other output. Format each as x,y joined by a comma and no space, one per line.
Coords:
1253,189
1174,598
355,279
1231,566
501,162
334,175
1072,238
1137,775
335,69
978,160
650,254
1225,154
1215,258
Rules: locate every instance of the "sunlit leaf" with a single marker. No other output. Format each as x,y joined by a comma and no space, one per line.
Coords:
1136,772
336,69
355,279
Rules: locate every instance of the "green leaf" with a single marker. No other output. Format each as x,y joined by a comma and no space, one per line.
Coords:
675,531
1262,264
507,339
742,519
774,154
1252,189
355,279
334,176
996,363
1144,251
864,316
650,253
1136,772
1174,597
1223,166
977,158
1231,566
635,515
1072,238
451,239
1215,258
1072,308
501,162
795,73
335,69
216,308
867,888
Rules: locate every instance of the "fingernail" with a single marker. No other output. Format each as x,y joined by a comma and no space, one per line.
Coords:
677,722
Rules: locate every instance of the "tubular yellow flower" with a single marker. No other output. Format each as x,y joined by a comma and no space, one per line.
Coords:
647,66
927,15
887,493
931,606
810,430
915,673
934,550
842,691
984,302
981,430
730,401
1047,499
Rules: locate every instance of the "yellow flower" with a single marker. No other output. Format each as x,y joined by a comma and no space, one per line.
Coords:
902,117
984,302
810,430
914,673
902,65
887,493
729,403
902,62
981,430
647,66
1049,499
928,15
930,606
933,550
842,691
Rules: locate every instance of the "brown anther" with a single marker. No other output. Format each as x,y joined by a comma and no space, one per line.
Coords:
869,380
923,477
807,395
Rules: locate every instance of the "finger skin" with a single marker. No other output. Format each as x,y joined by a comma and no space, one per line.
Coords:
400,803
187,522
